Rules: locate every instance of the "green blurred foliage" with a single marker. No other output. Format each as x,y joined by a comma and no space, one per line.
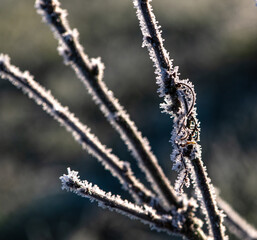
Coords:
213,42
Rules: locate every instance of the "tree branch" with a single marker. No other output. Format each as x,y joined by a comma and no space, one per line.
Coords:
90,72
120,169
81,133
171,224
179,100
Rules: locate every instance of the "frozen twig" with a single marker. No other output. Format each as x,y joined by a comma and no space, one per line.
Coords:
171,224
179,102
80,132
120,169
90,72
235,223
146,214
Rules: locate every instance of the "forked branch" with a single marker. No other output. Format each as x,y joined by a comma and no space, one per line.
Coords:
120,169
162,210
90,72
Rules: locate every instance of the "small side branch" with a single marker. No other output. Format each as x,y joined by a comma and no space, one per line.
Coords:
170,224
235,223
81,133
145,214
90,72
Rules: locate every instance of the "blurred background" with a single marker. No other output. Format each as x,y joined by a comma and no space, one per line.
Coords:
213,43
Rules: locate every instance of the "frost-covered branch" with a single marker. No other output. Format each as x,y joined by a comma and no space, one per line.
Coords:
173,223
120,169
235,223
179,102
80,132
162,210
90,72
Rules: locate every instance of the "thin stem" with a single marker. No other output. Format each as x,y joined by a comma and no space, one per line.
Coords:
81,133
170,223
214,215
166,73
186,152
235,223
90,73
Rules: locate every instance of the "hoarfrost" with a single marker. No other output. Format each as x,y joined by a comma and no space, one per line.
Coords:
80,132
146,214
90,72
179,102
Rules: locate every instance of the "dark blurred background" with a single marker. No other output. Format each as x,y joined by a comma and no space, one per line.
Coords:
213,42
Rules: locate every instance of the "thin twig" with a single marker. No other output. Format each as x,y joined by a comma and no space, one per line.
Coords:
186,151
215,216
171,224
235,223
80,132
90,72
